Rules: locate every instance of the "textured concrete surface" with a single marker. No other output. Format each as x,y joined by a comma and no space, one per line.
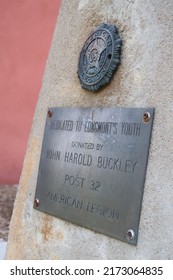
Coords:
144,79
7,197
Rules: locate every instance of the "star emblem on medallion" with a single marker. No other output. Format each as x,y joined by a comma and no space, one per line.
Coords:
99,57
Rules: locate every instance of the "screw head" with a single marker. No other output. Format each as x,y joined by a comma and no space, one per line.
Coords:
36,202
130,235
146,117
49,113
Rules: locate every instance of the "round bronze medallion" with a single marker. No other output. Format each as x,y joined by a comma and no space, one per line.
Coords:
99,57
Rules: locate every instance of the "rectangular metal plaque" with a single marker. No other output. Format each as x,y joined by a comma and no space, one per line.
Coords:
92,168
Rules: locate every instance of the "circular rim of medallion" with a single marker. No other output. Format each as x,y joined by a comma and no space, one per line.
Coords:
99,57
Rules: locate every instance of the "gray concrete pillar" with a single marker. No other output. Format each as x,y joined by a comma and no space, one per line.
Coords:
144,79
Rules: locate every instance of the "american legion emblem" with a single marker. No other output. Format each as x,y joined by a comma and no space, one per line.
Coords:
99,57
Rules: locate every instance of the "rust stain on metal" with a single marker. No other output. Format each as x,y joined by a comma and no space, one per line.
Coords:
36,202
50,113
146,117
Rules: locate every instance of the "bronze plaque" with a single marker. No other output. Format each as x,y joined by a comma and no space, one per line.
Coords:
92,168
99,57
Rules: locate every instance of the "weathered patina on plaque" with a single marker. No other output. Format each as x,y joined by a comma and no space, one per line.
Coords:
92,168
99,57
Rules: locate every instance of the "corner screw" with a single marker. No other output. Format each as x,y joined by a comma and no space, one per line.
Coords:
49,113
146,117
36,202
130,235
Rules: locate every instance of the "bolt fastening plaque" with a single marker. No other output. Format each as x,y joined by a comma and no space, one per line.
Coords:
92,168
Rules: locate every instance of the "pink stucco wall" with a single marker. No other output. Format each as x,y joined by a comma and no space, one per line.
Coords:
26,29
